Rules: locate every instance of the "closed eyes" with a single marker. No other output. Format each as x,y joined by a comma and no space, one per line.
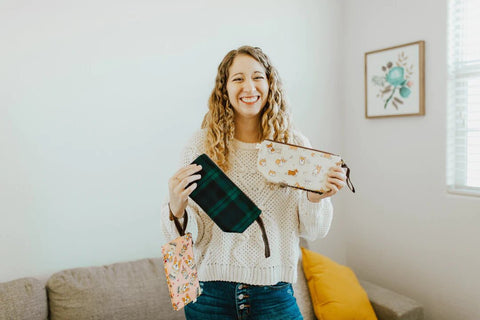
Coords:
255,78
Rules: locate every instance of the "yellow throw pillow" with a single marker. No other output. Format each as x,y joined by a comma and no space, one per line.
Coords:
335,291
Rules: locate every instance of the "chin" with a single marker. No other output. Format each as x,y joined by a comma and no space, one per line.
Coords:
251,113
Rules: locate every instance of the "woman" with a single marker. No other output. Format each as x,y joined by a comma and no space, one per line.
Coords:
247,106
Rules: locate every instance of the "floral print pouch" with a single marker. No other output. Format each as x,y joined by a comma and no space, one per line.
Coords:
181,271
297,167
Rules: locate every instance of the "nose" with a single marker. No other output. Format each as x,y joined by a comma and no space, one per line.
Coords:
249,85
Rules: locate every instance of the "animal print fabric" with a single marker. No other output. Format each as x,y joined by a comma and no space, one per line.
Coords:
181,271
295,166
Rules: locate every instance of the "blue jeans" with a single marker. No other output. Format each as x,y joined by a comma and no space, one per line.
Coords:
236,301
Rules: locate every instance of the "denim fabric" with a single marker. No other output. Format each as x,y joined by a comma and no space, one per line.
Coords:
235,301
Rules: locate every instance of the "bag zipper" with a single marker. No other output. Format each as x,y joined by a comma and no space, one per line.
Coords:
293,145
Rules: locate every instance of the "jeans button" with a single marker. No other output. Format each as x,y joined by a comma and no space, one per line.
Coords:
242,306
240,296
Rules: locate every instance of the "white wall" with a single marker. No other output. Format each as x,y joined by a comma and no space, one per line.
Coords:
404,230
97,98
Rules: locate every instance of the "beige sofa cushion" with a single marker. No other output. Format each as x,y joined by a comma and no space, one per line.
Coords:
121,291
23,299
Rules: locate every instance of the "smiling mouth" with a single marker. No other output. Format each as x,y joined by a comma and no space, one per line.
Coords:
250,99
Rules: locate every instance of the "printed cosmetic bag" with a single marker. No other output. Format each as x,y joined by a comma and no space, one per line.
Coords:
297,166
181,271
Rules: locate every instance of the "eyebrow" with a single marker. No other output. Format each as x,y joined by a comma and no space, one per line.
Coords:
241,73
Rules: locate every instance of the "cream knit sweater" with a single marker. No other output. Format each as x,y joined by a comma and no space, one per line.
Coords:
240,257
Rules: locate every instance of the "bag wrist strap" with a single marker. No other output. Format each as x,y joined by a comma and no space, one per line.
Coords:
349,181
181,229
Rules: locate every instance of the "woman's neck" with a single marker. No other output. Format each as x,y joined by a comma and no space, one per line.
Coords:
247,130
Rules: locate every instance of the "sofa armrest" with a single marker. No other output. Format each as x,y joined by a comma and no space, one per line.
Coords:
389,305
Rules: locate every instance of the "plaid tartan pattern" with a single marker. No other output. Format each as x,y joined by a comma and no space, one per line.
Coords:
230,208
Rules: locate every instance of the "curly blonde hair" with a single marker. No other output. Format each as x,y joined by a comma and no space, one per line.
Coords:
275,118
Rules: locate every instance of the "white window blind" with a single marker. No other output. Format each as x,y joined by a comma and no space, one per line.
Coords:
463,145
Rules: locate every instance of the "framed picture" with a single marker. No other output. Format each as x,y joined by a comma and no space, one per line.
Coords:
395,81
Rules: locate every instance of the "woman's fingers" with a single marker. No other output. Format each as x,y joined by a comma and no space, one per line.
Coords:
183,173
332,187
339,183
188,191
337,177
338,172
178,190
186,171
181,186
185,176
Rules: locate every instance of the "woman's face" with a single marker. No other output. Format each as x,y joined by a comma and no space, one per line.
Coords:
247,86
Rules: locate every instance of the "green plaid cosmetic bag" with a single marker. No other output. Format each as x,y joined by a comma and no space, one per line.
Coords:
228,206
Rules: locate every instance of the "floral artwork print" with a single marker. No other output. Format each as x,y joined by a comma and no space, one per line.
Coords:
395,81
394,84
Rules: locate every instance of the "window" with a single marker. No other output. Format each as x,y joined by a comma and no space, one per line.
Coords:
463,147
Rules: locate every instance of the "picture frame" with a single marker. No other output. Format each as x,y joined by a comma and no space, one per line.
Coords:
395,81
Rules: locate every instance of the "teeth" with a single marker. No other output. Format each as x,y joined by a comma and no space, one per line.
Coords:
249,100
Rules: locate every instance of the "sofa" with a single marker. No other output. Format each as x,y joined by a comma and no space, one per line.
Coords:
138,290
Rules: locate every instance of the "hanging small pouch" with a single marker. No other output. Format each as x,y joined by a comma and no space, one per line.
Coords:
298,167
180,269
223,201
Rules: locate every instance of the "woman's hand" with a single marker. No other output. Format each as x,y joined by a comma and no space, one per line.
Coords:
336,180
176,187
